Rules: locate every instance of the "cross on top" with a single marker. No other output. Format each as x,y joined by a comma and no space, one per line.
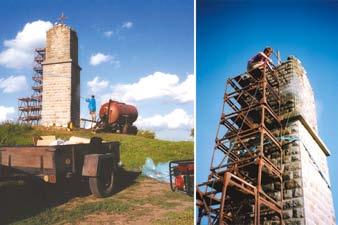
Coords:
62,18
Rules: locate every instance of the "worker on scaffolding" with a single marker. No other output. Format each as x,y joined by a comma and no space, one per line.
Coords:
256,63
92,108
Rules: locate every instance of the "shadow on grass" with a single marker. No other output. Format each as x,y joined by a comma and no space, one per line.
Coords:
125,179
24,199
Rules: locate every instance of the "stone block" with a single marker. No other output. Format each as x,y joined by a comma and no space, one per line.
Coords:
286,159
294,183
287,214
287,176
295,222
287,204
297,202
296,174
298,213
287,194
297,192
295,158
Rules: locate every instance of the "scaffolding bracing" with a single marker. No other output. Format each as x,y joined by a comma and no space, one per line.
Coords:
245,182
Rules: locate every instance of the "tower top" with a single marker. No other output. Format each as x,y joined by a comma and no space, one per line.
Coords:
62,18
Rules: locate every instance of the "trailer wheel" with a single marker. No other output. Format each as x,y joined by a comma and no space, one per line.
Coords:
103,185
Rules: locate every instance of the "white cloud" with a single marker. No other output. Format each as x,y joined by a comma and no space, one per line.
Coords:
19,52
118,30
153,86
6,112
13,84
185,92
108,33
177,119
96,85
99,58
127,25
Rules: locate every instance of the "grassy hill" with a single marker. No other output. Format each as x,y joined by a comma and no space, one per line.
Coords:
134,149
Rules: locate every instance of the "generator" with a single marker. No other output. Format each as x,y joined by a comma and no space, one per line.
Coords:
181,175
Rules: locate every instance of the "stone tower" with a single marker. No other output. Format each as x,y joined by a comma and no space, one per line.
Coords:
307,190
61,78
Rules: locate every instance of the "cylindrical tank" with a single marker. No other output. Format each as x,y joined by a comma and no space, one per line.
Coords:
119,112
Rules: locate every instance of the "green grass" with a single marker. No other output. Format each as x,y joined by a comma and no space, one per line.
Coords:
134,149
62,215
155,200
177,218
11,134
177,196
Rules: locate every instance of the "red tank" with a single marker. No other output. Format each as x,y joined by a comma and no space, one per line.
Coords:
119,112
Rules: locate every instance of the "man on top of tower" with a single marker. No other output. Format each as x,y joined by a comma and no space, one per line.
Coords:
257,61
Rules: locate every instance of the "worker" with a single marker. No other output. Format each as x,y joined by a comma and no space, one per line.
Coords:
256,63
92,107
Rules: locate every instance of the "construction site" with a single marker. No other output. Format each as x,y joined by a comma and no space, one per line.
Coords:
55,98
50,167
269,164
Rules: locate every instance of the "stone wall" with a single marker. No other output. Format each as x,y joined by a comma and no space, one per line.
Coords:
61,79
56,100
318,203
307,193
297,89
293,203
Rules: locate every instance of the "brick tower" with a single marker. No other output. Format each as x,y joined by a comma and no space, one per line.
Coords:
61,78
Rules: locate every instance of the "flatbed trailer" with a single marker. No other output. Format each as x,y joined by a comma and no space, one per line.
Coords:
96,163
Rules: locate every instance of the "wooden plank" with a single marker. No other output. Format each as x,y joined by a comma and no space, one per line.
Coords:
28,157
45,140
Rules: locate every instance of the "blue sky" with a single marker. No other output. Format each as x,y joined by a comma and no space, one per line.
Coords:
128,40
230,32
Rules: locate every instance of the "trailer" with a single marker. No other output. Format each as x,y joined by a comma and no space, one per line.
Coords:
95,163
115,117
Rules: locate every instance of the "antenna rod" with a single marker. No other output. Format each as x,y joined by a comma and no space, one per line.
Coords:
279,61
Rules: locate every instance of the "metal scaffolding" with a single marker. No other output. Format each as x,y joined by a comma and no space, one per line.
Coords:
30,107
245,181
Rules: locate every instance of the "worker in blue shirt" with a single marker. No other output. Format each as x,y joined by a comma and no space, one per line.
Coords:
92,107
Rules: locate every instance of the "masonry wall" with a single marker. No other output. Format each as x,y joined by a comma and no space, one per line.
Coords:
297,90
293,203
318,203
61,80
307,193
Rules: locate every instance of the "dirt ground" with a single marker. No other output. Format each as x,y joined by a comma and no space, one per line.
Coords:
140,200
146,209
